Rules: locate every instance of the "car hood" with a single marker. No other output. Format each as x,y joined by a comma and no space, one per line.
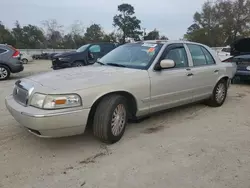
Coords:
65,54
240,47
78,78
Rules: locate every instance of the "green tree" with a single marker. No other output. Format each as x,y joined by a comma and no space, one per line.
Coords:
5,35
17,32
33,37
127,22
152,35
220,23
94,33
163,37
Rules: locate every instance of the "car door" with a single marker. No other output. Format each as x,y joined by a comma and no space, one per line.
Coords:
205,71
170,87
95,50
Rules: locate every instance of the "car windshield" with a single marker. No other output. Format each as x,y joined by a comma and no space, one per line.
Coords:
132,55
82,48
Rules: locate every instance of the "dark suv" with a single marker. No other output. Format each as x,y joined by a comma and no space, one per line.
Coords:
10,61
240,54
85,55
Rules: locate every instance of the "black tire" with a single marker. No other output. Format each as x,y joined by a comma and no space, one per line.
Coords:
25,61
103,118
78,64
5,69
213,101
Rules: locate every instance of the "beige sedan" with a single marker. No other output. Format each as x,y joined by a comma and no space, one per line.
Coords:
132,81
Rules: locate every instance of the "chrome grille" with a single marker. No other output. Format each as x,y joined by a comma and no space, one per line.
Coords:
21,93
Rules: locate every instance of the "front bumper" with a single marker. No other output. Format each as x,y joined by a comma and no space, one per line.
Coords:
49,123
57,64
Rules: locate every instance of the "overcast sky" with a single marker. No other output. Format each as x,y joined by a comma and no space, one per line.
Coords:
170,17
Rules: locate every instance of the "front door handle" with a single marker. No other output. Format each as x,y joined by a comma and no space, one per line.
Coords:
216,71
190,74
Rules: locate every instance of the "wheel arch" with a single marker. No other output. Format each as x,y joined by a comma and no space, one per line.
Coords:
132,104
223,77
6,66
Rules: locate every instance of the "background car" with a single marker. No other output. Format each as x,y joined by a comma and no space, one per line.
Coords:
26,58
10,61
85,55
240,55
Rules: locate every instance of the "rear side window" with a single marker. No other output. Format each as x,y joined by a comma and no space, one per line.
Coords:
209,57
197,54
2,50
200,55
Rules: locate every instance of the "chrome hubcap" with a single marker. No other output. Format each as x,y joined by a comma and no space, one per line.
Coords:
118,120
3,73
220,93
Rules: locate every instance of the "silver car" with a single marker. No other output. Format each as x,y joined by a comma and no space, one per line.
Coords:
132,81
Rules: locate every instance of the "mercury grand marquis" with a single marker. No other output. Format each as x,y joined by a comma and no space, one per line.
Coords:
132,81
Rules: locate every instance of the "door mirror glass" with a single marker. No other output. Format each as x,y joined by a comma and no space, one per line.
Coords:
167,63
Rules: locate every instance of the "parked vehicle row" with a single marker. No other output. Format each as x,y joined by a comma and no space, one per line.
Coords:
46,56
132,81
85,55
240,54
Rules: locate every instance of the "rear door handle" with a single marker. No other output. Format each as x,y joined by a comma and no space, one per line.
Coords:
216,71
190,74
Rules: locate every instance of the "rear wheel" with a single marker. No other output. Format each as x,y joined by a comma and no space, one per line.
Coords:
25,61
110,118
219,94
4,72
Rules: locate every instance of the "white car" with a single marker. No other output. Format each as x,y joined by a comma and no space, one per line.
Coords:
26,58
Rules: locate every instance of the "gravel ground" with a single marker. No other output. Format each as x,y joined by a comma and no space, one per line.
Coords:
191,146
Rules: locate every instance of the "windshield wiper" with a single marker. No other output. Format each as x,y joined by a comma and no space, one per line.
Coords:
115,64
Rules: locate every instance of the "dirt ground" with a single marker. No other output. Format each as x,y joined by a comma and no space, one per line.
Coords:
192,146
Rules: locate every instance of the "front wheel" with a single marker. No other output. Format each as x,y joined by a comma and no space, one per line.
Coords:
110,118
219,94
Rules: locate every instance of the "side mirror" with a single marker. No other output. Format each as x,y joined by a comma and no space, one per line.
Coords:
167,63
91,55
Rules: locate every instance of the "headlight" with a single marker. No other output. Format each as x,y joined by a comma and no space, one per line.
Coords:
63,59
55,101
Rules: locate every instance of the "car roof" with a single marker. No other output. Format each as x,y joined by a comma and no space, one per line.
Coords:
170,42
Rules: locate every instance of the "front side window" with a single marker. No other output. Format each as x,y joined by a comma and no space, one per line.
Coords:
179,56
132,55
197,54
95,49
82,48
